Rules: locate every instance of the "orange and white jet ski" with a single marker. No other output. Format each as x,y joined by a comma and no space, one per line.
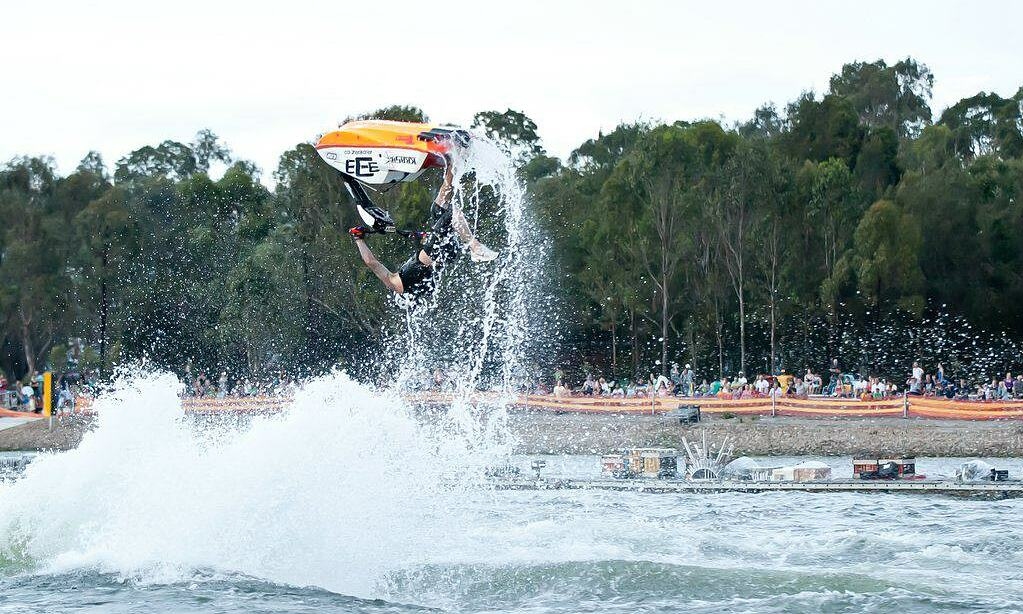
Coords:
378,153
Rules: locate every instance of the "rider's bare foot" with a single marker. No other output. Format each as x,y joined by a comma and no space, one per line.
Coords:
480,253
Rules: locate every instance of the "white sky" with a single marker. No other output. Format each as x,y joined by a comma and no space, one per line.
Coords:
114,76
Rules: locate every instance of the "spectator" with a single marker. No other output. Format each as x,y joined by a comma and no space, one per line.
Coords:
688,378
799,387
918,372
659,385
704,389
589,386
560,390
559,376
835,378
761,385
741,380
65,400
28,398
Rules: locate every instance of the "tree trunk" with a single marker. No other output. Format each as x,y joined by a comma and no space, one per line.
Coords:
742,325
635,341
614,346
718,326
664,325
104,306
26,343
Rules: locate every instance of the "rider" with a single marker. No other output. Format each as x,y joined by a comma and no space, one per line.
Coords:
416,276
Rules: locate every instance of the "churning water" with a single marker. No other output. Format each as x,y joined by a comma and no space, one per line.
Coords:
351,502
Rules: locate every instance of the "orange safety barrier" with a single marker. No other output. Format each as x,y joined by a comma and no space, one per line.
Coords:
931,407
10,413
753,406
912,407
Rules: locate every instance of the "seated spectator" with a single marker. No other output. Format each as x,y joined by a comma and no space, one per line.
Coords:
660,385
589,386
560,390
703,389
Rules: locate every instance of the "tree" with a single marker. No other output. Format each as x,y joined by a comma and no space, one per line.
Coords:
33,287
513,131
661,178
895,97
169,159
986,124
765,124
877,166
207,148
396,113
105,227
885,258
821,130
745,185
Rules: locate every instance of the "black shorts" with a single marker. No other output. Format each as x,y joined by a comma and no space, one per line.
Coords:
440,245
416,277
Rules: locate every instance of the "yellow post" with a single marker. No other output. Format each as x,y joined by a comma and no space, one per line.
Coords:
48,394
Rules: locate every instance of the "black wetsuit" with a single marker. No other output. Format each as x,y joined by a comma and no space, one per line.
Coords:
441,244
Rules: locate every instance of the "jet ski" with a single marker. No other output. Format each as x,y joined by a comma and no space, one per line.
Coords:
378,153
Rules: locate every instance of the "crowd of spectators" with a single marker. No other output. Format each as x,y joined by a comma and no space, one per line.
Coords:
682,382
26,395
203,386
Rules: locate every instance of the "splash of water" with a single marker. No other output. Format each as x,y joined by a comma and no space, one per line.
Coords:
479,316
343,488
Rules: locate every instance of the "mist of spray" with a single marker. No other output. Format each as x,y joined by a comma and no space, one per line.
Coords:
343,488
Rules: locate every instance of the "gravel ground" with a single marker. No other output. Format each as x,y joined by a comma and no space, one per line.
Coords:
548,433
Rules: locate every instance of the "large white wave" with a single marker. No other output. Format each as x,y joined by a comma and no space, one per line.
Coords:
337,491
342,488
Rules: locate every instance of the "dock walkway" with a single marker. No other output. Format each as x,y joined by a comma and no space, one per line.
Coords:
987,490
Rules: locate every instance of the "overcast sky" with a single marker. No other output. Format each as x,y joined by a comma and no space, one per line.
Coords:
114,76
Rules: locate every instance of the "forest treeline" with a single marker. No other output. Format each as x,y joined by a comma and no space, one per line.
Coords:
853,223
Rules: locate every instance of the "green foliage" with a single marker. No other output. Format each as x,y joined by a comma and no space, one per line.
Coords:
793,236
515,132
885,258
986,124
396,113
894,97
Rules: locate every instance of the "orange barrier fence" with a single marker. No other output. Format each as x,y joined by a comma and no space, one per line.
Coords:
758,406
10,413
912,407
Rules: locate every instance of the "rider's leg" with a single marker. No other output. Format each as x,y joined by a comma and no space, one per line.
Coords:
478,252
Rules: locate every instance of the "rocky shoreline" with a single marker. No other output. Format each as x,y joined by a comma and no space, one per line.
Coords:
576,433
